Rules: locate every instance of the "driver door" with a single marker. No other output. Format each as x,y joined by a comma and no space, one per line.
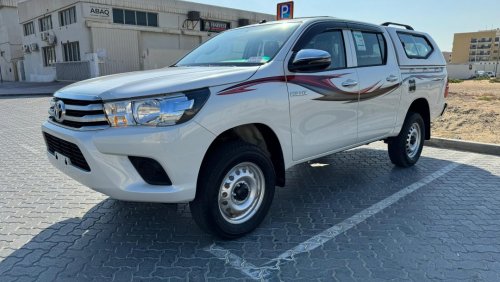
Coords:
323,103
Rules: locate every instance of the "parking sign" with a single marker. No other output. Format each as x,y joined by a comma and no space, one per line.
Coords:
285,11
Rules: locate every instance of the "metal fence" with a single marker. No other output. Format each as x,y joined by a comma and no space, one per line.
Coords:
73,71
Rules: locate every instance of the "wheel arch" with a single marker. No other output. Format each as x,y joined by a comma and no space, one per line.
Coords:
258,134
421,106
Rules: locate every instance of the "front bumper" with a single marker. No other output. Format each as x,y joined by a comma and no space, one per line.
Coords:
179,149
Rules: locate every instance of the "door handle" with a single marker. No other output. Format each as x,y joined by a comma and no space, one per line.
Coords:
349,83
392,78
437,79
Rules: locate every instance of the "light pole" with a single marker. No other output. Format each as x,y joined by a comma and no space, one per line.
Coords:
498,59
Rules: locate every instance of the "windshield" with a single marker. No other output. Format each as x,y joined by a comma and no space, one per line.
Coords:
241,47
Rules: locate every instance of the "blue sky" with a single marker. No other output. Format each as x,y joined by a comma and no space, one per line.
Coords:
440,18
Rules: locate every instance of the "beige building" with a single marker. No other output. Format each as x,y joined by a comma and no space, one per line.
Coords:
79,39
10,40
447,56
473,47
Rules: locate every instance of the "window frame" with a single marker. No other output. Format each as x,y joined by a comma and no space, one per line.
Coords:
416,35
312,31
71,51
147,14
65,19
41,25
31,24
383,54
115,10
47,61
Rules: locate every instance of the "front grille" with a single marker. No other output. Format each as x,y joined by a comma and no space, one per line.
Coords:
67,149
79,114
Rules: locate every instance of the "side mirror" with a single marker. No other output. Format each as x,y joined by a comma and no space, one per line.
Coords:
311,60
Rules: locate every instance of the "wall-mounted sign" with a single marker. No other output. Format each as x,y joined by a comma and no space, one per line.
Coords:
98,11
284,11
214,26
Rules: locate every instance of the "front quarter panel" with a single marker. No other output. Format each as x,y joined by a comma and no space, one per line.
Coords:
262,99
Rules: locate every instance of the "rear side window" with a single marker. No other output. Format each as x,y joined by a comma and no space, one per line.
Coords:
416,46
370,48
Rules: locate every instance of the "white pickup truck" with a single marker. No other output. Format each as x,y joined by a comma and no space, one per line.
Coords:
219,128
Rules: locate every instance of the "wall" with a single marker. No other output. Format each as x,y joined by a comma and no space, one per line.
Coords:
113,59
33,61
10,43
461,71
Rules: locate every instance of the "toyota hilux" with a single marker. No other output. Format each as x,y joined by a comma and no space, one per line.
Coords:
219,128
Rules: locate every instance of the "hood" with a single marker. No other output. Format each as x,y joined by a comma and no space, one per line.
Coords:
153,82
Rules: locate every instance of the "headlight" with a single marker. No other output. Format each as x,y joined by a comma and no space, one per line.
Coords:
157,111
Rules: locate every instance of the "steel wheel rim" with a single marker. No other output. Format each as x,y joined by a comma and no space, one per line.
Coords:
413,140
241,193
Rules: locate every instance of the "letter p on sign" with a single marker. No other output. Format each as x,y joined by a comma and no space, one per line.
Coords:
285,11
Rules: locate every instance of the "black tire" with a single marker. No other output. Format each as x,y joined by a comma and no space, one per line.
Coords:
205,207
397,146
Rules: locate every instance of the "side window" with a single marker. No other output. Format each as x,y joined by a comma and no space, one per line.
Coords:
370,48
332,42
416,46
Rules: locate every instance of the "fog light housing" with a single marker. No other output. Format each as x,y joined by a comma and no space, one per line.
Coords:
150,170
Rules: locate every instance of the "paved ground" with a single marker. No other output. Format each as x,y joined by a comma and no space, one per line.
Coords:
439,220
11,89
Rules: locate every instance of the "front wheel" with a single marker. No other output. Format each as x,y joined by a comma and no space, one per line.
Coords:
235,190
405,149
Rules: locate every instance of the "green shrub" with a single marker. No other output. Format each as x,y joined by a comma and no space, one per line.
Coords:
453,80
495,80
482,78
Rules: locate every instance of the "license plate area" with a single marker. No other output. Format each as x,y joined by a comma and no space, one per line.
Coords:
62,159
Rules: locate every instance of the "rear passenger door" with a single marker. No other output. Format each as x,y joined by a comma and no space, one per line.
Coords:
379,81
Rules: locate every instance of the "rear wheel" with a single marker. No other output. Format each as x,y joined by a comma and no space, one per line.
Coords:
235,190
405,149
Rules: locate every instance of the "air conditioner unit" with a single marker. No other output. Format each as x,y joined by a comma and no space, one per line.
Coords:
44,36
52,40
33,47
26,48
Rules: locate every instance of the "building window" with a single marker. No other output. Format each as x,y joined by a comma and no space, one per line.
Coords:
141,18
152,19
118,16
49,56
131,17
45,23
67,17
29,28
71,51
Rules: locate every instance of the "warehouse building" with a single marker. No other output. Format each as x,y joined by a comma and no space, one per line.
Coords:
75,40
10,40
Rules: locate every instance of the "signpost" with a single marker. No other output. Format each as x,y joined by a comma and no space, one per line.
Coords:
284,11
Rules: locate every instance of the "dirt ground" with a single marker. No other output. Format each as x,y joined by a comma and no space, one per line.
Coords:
473,113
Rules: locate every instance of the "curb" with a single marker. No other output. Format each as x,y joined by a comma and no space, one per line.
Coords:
468,146
26,95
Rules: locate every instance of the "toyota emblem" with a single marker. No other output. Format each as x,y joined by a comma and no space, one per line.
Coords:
59,111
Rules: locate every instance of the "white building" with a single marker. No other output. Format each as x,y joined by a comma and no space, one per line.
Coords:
10,40
74,40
